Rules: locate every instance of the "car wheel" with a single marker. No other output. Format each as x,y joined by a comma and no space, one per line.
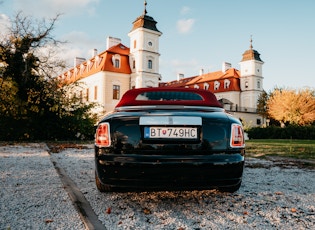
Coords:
101,187
230,189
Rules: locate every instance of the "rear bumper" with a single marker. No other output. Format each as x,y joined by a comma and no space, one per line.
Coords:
170,171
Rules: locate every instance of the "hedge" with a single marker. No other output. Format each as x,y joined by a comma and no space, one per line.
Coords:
276,132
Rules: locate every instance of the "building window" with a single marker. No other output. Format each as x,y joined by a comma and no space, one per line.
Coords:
227,84
135,44
133,64
246,84
116,92
206,86
90,65
116,63
258,121
258,84
196,86
81,95
150,64
95,92
87,94
216,85
116,60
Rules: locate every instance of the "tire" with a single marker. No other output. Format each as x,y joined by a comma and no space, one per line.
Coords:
230,189
101,187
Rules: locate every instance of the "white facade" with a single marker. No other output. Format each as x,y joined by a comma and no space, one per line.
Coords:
122,68
144,53
251,78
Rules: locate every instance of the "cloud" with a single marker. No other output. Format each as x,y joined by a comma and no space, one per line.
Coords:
185,25
186,67
49,8
4,23
79,44
185,10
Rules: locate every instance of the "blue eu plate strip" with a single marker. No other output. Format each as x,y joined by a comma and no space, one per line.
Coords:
146,132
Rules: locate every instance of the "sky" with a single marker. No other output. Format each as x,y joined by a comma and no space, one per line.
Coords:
196,34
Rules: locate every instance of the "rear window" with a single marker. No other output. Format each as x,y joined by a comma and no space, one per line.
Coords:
169,96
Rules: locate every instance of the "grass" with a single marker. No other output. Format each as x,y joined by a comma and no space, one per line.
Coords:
298,149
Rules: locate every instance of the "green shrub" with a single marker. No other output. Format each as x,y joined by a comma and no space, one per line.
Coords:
289,132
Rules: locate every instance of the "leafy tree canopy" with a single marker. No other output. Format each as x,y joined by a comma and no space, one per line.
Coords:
33,106
292,106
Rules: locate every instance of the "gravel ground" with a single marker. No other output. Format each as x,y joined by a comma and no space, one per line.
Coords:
273,196
31,195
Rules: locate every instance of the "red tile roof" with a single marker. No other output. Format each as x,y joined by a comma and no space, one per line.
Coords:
232,75
98,63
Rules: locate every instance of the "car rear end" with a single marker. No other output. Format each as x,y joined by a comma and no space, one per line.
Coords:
178,147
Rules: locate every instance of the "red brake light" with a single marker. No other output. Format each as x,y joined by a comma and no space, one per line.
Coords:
237,136
102,136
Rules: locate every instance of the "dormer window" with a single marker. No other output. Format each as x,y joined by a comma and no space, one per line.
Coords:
206,86
227,83
117,64
116,61
90,64
216,85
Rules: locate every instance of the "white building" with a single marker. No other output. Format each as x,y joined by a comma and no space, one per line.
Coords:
109,74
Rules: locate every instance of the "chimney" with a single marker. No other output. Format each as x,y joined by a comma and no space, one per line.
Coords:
78,61
94,52
111,41
201,72
226,66
180,76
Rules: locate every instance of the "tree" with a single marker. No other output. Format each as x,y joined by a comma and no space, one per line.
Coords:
262,104
33,105
290,106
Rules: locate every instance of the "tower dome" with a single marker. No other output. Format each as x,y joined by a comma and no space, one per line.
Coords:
251,54
145,21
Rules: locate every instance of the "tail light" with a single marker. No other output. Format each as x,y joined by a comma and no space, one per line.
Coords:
237,136
102,136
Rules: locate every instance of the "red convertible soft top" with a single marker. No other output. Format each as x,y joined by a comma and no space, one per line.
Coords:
168,96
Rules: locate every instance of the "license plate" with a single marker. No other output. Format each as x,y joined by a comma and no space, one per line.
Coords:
170,132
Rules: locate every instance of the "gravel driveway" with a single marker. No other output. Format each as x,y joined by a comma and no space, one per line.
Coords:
273,196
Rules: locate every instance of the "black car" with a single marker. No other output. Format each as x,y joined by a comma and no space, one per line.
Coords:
169,139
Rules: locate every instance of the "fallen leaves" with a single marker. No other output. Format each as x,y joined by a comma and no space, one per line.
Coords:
146,211
108,211
58,147
279,193
47,221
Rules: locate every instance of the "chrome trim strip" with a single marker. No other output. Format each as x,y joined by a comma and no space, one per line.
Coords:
170,120
167,107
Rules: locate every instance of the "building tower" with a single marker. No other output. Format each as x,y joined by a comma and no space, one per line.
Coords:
144,52
251,79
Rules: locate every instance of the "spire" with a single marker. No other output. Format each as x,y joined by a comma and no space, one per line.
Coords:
144,21
251,54
145,8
